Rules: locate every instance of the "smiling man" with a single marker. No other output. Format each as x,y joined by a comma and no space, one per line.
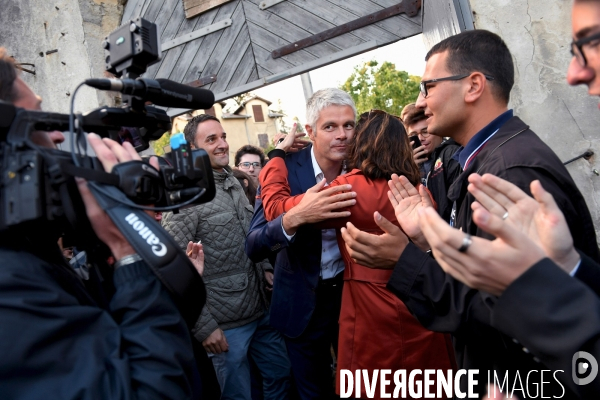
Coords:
234,324
464,94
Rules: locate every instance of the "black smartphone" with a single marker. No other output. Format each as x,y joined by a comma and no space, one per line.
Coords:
416,142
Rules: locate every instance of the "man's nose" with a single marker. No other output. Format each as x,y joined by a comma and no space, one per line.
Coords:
56,137
577,75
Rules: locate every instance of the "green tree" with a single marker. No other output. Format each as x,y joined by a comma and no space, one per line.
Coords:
158,145
383,88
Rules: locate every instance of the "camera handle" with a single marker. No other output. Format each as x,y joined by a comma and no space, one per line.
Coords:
168,262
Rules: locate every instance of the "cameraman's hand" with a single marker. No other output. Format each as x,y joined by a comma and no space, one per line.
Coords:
216,343
109,153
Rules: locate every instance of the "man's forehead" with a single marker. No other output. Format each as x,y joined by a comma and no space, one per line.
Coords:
585,18
336,111
435,65
250,156
208,128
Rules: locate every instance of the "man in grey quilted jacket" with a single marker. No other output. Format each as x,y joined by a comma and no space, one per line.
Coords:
234,323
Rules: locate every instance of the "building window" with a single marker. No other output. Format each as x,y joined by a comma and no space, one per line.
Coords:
258,113
263,140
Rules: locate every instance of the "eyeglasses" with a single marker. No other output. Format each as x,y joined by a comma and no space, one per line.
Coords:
577,47
247,165
423,133
423,85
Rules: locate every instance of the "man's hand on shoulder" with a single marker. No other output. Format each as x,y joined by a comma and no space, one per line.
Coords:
319,205
375,251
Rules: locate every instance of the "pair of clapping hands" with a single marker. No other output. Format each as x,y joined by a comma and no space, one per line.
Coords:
526,229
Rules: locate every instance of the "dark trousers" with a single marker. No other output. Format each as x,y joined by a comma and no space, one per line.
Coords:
310,353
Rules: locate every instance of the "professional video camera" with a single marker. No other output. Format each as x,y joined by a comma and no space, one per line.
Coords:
38,189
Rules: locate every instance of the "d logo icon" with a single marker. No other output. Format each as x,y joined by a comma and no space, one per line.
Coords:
579,367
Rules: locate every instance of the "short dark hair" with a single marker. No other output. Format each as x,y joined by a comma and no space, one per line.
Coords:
192,126
249,149
380,148
413,116
479,51
8,74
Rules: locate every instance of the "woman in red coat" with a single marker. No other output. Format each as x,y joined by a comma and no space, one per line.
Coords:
376,329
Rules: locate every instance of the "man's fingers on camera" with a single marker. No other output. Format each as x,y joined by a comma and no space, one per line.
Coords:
105,155
124,152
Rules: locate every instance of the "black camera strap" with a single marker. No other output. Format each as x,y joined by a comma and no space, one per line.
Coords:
160,251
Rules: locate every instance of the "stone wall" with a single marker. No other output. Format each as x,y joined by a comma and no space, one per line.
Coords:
32,29
538,33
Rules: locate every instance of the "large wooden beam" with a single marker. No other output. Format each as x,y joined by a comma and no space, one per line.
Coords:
195,7
408,7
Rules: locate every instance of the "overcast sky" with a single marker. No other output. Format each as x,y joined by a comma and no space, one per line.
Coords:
407,55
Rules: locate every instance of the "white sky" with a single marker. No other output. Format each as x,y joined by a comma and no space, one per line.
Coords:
408,55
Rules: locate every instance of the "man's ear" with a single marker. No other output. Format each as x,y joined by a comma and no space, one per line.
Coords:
309,131
477,86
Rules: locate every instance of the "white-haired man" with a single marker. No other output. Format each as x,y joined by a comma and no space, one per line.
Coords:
309,267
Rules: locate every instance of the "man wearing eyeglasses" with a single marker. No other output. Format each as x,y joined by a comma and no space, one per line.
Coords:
585,65
250,159
464,94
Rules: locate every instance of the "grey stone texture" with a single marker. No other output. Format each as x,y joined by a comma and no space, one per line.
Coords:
76,28
538,33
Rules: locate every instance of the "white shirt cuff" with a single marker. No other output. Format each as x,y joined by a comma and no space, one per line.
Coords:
288,237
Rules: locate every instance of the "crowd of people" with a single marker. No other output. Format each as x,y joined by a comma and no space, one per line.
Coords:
448,238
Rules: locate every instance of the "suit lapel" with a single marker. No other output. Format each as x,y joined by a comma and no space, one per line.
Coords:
305,171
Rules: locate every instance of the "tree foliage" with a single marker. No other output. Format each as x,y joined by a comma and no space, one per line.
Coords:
159,145
383,88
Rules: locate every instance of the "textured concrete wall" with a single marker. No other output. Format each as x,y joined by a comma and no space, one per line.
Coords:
538,33
30,28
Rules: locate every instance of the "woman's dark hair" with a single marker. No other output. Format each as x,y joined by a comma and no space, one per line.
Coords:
249,188
380,148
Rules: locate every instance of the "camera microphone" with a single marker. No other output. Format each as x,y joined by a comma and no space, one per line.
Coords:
162,92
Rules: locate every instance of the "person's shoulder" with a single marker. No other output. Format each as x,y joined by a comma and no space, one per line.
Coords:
21,263
299,155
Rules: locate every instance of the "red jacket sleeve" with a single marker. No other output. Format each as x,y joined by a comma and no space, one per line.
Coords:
275,189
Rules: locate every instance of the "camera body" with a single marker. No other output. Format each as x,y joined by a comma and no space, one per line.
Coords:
38,183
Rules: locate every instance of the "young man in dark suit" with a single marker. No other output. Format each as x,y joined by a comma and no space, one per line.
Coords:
308,268
464,93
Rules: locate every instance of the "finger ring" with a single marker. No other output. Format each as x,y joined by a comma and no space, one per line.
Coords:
465,243
505,216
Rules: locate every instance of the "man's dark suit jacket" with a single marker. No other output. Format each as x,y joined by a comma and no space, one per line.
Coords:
298,264
442,303
561,317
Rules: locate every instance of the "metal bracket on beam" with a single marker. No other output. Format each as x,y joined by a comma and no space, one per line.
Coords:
188,37
205,80
409,7
268,3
